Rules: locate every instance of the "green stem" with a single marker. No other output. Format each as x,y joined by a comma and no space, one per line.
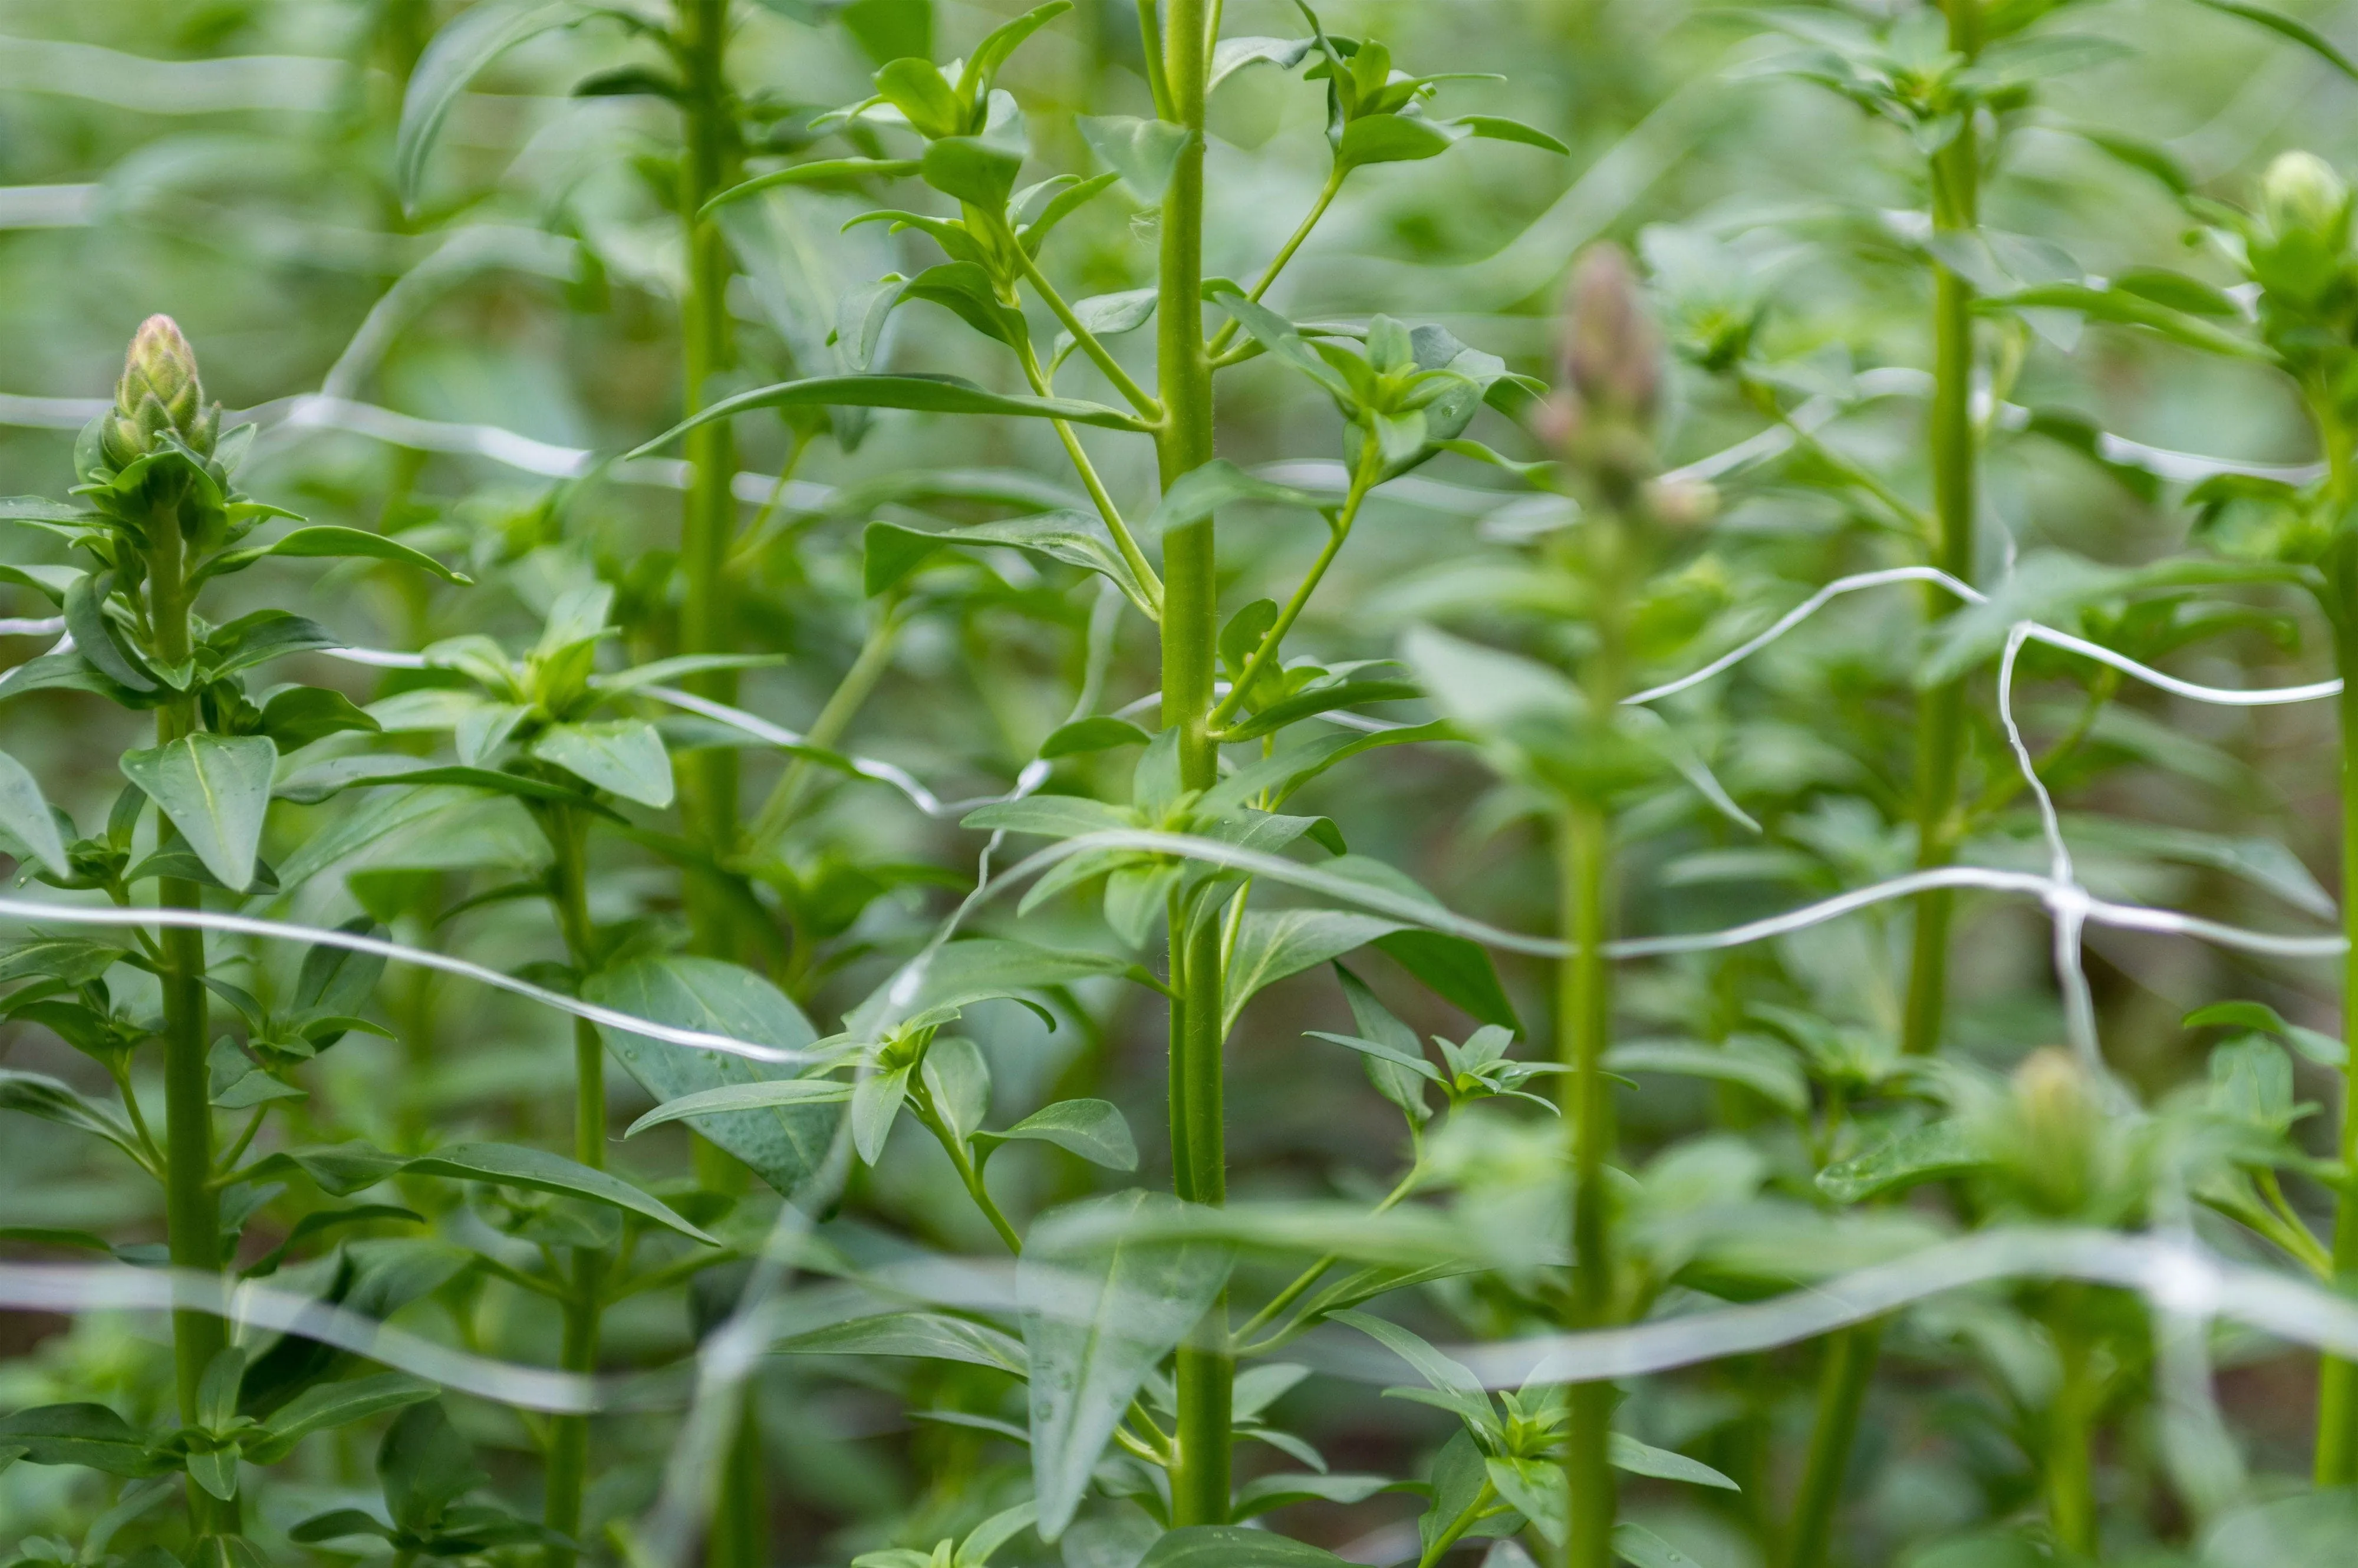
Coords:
1124,540
2070,1473
192,1205
1954,442
1467,1517
2337,1377
1843,1380
1585,1001
709,164
1362,479
868,667
1090,344
1227,332
568,1442
970,1173
1199,1481
1313,1274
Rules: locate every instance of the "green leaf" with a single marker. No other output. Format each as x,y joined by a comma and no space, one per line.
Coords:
915,87
1461,1391
1458,969
340,1169
1093,1129
924,394
1145,153
1099,1317
893,550
423,1466
930,1334
736,1100
70,960
257,639
622,756
472,40
1625,1453
977,172
1271,944
1498,129
1099,733
1391,138
1277,337
1316,699
38,1094
1758,1065
1926,1153
2315,1045
1535,1488
811,174
300,715
1263,1492
1200,492
2298,32
784,1139
90,1435
890,29
1634,1543
983,65
327,1405
1049,816
95,638
1233,1546
216,790
25,816
324,542
515,1165
2130,309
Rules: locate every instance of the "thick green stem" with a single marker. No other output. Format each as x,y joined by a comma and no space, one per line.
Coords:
2069,1471
1199,1481
584,1297
2337,1377
707,521
1843,1380
1584,1005
191,1203
1953,441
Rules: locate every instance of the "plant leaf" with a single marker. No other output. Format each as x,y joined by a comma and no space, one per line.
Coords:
931,1334
472,40
90,1435
515,1165
1625,1453
622,756
216,791
1093,1129
1233,1546
25,816
1271,944
326,1405
1144,152
1097,1318
782,1140
924,394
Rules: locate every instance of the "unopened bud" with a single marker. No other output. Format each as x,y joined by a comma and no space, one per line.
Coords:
2056,1127
2302,194
1682,503
159,392
1612,356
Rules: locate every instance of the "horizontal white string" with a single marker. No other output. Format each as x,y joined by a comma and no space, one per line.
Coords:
46,914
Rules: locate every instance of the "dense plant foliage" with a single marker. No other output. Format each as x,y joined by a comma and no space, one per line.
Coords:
1288,805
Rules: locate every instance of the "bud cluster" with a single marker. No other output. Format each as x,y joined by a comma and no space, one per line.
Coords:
159,393
1610,368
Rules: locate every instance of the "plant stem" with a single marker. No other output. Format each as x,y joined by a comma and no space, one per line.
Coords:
1606,553
868,667
1843,1380
1456,1530
1227,332
1199,1480
1362,479
568,1435
1940,748
708,165
2069,1477
192,1205
2337,1377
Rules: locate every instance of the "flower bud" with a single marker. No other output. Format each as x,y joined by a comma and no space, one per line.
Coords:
2302,194
1612,356
159,392
1682,503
